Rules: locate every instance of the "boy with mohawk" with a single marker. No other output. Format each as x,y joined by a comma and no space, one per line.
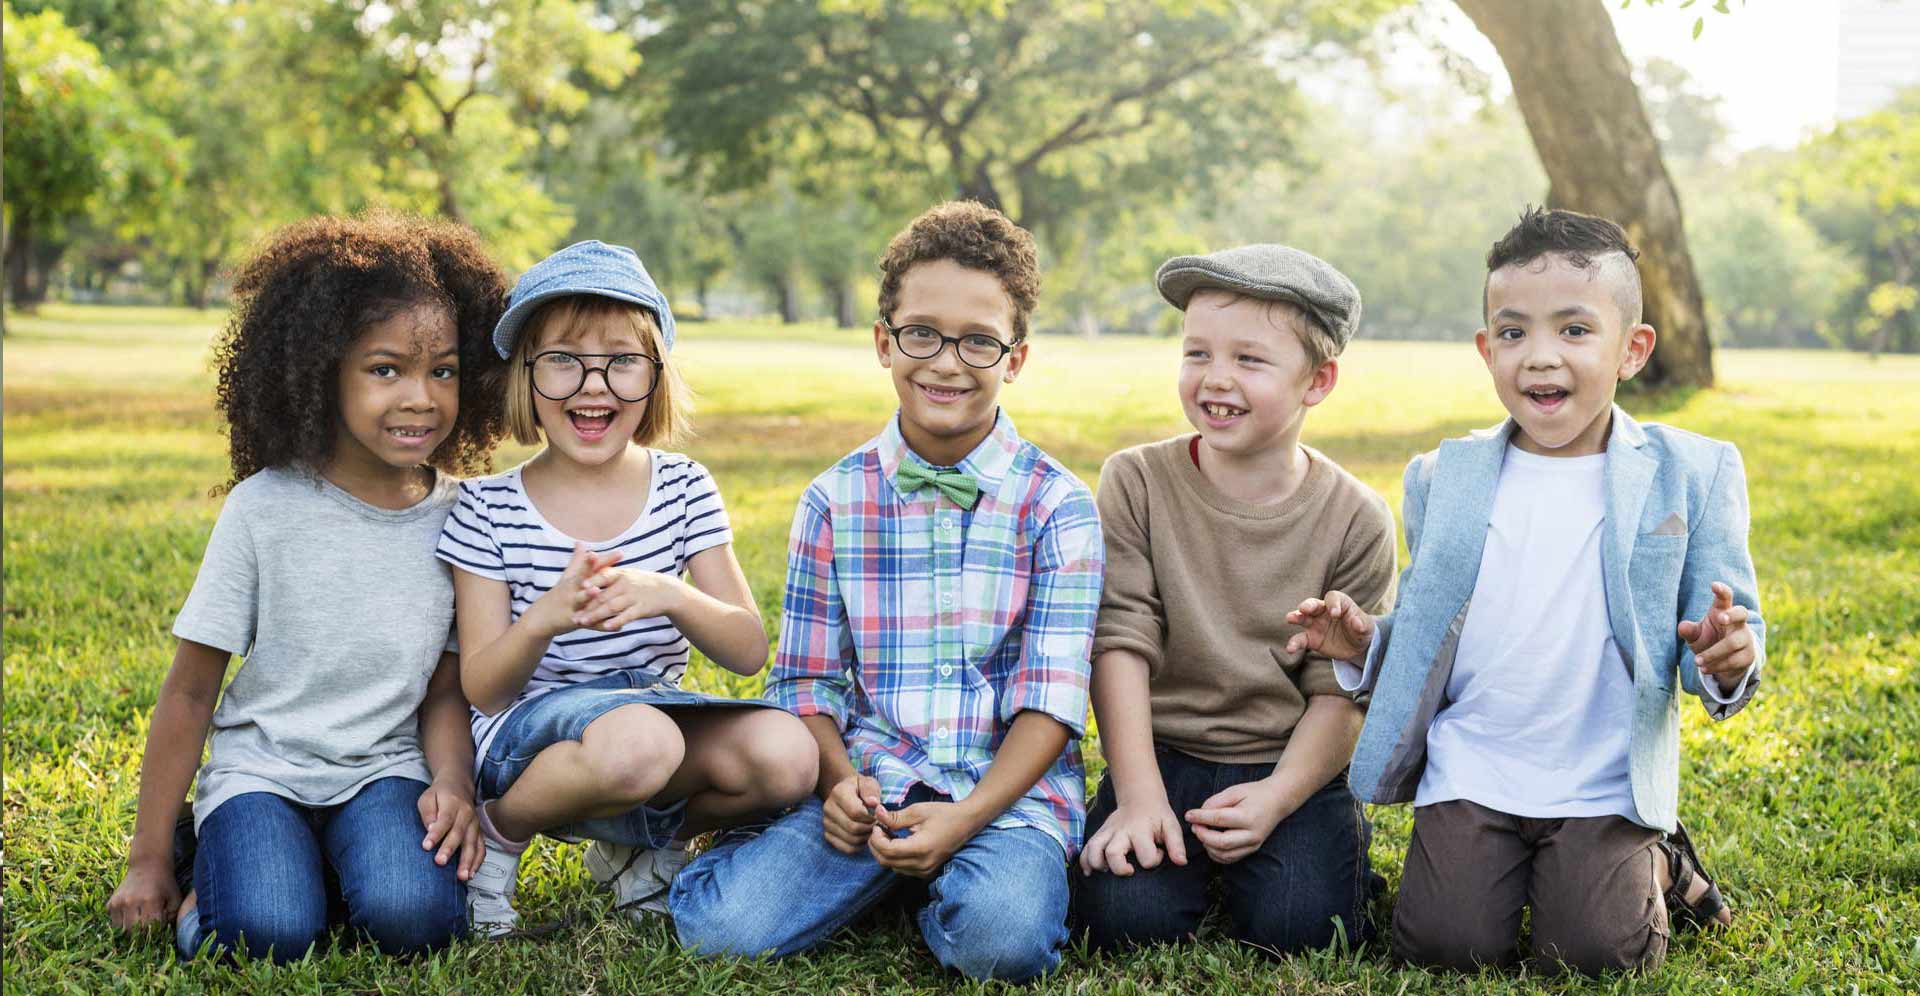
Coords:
1570,567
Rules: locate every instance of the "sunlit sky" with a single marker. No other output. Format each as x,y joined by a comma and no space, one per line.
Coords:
1773,61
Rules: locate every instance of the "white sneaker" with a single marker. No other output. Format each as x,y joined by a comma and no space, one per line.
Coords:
639,876
490,894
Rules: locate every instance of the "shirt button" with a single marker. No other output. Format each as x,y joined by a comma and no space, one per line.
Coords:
947,524
947,600
946,670
941,733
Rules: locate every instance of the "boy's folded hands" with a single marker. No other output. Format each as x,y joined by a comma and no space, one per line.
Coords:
936,831
1722,644
1334,626
446,810
847,814
1236,820
1139,829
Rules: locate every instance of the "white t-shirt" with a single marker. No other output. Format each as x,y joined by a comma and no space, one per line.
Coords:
1540,703
496,532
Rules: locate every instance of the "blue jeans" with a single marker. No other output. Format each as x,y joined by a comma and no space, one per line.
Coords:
273,875
997,910
1311,871
564,714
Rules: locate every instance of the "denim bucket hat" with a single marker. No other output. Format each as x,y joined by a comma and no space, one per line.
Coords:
582,268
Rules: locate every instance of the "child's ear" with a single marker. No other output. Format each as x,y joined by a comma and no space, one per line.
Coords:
1480,342
1321,383
883,344
1640,340
1016,359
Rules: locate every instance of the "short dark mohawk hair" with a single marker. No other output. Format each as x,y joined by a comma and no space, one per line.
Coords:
1583,240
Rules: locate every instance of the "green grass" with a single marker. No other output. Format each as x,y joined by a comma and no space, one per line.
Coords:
1805,804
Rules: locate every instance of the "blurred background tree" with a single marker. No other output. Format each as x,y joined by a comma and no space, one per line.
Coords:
759,155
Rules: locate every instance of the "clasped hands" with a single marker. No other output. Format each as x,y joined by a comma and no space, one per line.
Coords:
592,593
852,817
1231,824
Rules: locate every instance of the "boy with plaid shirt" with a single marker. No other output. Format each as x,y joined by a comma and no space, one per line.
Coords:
942,587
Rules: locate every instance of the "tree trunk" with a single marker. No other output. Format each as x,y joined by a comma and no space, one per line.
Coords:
20,253
843,305
789,299
1591,132
1089,322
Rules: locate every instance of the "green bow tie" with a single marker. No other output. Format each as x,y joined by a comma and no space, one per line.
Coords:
957,485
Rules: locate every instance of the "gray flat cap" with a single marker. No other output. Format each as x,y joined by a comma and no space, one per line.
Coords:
1270,273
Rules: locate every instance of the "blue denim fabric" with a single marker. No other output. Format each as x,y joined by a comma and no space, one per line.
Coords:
273,875
564,714
1285,897
997,910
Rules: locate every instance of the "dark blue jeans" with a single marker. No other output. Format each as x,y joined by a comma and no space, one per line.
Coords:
1285,897
273,875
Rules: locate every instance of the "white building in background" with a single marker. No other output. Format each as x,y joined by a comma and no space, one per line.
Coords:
1879,54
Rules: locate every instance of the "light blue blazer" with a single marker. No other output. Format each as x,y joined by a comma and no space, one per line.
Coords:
1676,522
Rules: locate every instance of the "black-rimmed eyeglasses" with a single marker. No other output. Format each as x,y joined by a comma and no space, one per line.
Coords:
924,342
559,375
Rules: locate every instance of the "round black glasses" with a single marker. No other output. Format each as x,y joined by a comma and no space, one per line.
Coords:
924,342
559,375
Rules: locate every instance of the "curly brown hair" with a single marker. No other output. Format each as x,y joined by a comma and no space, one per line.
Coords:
303,298
973,235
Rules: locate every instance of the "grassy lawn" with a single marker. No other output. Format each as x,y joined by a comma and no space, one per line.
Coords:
1807,805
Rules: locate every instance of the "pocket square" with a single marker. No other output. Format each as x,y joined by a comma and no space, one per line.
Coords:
1672,525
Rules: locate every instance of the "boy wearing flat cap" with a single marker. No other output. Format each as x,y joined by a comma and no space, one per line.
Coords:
1226,750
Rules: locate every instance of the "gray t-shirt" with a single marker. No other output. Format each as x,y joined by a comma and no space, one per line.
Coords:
342,613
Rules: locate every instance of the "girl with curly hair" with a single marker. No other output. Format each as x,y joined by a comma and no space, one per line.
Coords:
575,623
356,378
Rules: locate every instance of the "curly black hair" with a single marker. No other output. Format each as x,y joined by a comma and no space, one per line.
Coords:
303,298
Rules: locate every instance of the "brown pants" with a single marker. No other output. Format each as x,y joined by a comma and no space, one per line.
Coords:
1591,882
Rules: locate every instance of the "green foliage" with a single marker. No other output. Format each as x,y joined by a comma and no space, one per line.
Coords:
1804,805
76,143
1769,277
1051,111
1859,184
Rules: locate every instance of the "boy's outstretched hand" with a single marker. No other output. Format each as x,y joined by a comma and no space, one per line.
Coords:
1140,829
1722,644
1335,626
847,813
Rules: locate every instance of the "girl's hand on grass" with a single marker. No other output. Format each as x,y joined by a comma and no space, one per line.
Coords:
847,813
1722,644
614,597
1138,829
1236,820
1334,626
446,810
147,896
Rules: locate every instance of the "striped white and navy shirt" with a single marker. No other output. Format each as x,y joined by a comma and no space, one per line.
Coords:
496,532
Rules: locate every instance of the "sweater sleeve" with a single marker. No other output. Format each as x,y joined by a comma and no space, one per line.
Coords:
1364,569
1131,616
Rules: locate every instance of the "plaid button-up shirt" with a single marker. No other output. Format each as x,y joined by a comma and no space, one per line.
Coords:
923,628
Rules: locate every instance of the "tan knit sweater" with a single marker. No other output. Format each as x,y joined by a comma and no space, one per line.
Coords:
1200,584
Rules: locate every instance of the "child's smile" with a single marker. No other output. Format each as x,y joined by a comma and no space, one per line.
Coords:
947,406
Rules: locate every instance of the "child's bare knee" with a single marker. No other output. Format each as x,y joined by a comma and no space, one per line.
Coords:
783,759
634,753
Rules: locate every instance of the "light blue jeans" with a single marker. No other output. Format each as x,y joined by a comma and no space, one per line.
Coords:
998,909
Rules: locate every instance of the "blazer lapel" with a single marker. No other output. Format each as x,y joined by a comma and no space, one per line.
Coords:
1629,479
1458,507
